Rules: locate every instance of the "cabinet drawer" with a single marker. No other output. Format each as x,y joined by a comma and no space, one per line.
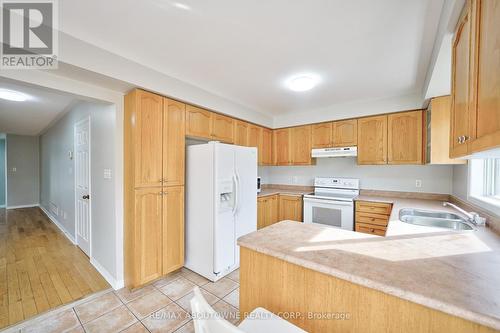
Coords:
370,218
370,229
374,207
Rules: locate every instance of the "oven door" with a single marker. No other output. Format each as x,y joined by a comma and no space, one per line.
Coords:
338,214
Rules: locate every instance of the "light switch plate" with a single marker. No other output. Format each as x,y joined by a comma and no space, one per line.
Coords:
107,173
418,183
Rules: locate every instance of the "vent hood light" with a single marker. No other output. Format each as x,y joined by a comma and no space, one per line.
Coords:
12,95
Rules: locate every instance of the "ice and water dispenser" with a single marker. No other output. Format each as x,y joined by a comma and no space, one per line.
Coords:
226,195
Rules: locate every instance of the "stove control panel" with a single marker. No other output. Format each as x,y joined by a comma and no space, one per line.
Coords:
333,182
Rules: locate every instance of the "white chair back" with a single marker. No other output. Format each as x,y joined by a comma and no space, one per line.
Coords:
206,319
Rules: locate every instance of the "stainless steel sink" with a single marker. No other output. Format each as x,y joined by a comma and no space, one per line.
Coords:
434,219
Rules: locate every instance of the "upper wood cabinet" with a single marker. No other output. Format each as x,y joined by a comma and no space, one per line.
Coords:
345,133
405,143
173,142
222,128
241,133
301,145
321,136
461,85
173,229
372,140
438,132
290,208
198,122
266,145
485,113
281,146
143,136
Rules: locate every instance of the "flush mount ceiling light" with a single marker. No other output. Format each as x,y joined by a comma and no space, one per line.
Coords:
303,82
12,95
181,6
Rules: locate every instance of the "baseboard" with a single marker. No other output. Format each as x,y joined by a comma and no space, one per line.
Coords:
116,284
59,225
23,206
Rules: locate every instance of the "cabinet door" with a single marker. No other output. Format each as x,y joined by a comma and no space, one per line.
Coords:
345,133
460,86
266,145
322,135
173,142
173,228
147,133
241,133
281,146
372,140
486,114
301,145
254,140
198,122
405,145
147,235
262,209
222,128
273,209
290,208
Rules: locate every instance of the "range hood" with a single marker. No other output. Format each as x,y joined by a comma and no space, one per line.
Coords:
335,152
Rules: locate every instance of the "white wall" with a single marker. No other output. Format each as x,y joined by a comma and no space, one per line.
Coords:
460,181
435,179
23,183
57,179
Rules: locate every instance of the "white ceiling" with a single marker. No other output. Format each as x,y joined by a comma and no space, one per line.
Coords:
244,50
34,115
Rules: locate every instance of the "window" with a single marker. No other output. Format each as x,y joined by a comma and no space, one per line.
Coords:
484,185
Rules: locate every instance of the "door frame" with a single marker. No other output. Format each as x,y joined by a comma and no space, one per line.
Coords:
87,118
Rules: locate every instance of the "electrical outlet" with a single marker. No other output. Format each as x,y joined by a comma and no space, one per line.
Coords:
14,169
418,183
295,179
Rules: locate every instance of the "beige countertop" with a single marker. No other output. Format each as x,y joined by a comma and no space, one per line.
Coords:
457,273
272,191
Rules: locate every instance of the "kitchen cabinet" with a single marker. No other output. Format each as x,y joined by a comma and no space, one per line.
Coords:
438,132
290,207
267,211
372,140
198,122
281,146
241,133
174,142
154,158
405,140
372,217
345,133
322,135
485,111
222,128
266,146
301,145
172,229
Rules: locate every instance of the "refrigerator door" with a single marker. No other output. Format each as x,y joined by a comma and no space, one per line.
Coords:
225,199
246,209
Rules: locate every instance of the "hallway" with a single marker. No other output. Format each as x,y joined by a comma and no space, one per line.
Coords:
40,269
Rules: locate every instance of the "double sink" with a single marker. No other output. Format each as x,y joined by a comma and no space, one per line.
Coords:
434,219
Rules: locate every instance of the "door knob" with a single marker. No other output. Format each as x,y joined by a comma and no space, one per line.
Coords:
87,196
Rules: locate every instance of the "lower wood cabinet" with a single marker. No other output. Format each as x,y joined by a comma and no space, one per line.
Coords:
278,207
154,238
372,217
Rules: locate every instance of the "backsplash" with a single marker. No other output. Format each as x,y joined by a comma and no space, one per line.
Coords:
434,178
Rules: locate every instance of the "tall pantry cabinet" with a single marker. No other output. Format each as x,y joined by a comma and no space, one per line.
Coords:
154,186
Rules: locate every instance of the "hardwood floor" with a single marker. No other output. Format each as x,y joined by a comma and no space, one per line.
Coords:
40,269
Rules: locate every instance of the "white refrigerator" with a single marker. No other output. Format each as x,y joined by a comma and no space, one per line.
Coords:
221,206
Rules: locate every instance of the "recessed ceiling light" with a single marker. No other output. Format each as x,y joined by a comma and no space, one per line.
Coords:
181,6
12,95
303,82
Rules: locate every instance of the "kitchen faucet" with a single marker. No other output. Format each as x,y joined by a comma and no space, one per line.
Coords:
472,217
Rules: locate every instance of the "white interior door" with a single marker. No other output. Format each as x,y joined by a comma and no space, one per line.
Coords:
82,184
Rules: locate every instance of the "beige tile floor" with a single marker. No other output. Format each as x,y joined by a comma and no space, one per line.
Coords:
159,307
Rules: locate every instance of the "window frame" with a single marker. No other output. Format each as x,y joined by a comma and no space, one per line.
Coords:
484,184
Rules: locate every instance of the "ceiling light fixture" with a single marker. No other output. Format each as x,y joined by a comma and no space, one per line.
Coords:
303,82
12,95
181,6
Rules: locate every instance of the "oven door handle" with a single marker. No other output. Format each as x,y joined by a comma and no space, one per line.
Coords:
330,202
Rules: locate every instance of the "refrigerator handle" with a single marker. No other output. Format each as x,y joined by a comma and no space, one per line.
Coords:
236,192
